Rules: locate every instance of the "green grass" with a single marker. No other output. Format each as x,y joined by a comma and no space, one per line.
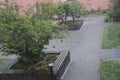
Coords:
3,63
111,37
93,14
110,70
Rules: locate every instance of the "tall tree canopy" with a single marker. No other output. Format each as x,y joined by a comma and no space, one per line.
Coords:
114,12
73,8
23,36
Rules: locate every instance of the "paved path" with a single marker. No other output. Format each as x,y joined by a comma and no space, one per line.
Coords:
86,56
85,47
110,54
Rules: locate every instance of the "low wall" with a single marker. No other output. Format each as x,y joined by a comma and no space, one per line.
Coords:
76,25
20,75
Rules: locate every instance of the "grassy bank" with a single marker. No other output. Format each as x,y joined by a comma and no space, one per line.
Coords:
111,37
110,70
93,14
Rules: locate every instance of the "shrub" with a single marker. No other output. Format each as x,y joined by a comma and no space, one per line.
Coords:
24,36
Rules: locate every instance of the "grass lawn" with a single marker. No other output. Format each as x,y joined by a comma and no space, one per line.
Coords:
93,14
110,70
111,37
3,63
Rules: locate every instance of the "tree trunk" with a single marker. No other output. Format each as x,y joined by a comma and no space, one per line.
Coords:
60,18
66,14
66,17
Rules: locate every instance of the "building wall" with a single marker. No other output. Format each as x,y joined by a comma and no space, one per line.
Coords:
88,4
25,3
32,2
95,4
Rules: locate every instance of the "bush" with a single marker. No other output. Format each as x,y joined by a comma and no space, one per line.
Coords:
114,12
25,36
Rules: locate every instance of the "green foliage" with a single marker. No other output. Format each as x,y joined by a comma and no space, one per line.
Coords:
110,70
25,36
45,10
89,14
44,67
60,11
8,15
114,12
51,58
68,8
75,9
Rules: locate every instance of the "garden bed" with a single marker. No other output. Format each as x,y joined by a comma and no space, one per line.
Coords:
41,65
52,70
72,25
110,70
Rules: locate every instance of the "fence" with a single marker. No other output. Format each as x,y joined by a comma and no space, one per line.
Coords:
57,71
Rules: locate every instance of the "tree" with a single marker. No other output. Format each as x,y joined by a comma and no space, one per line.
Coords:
114,12
44,10
24,37
75,9
60,11
66,9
